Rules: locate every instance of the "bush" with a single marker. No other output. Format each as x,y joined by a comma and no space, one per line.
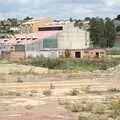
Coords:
28,107
114,90
86,89
115,107
83,118
69,63
98,109
47,92
103,67
74,107
19,80
52,86
73,92
88,107
34,91
9,93
78,107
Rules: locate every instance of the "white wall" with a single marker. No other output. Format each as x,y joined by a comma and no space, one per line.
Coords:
73,38
48,54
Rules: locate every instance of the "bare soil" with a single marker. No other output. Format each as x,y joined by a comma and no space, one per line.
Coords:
31,104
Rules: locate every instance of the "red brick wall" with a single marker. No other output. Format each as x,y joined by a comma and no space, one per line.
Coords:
17,56
92,53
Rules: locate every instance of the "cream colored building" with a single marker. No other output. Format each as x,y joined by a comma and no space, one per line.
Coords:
73,38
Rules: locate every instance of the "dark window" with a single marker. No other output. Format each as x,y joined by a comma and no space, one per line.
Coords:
19,48
97,54
22,38
78,54
5,40
28,38
17,38
50,28
50,43
34,38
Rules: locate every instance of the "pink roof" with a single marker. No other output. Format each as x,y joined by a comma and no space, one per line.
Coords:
28,38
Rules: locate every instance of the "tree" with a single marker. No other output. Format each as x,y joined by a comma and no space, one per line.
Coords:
28,18
118,28
97,32
71,20
87,19
110,32
102,32
118,17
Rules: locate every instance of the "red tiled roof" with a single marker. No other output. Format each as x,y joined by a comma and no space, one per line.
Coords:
28,38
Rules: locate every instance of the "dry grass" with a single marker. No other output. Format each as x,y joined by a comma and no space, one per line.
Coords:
9,93
47,92
73,92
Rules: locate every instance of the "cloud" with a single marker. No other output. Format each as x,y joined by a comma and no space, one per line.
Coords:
111,2
58,8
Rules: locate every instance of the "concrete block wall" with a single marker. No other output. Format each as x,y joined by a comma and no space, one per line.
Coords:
73,38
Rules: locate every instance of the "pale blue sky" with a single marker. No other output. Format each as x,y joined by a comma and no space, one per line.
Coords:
59,8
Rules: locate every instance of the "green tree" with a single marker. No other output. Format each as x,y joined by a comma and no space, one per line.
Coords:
28,18
118,28
87,19
110,32
97,32
102,32
118,17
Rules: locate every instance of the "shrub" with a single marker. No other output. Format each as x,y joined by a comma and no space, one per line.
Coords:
86,89
98,109
9,93
64,102
19,80
114,90
47,92
83,117
79,107
74,107
88,107
28,107
103,67
34,91
115,107
73,92
52,86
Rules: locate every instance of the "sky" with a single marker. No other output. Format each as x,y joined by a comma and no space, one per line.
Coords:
59,9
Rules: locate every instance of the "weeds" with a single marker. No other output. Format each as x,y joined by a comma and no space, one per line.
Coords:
19,80
74,107
28,107
98,108
47,92
113,90
34,91
115,108
73,92
83,117
86,89
52,86
9,93
101,64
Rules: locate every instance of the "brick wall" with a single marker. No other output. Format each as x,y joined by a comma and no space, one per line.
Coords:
17,56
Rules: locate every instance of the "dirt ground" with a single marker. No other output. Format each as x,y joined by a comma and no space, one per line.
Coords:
22,98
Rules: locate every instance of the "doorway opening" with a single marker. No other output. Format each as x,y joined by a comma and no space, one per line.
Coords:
97,54
77,54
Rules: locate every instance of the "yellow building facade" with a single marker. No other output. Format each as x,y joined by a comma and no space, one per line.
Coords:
32,26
